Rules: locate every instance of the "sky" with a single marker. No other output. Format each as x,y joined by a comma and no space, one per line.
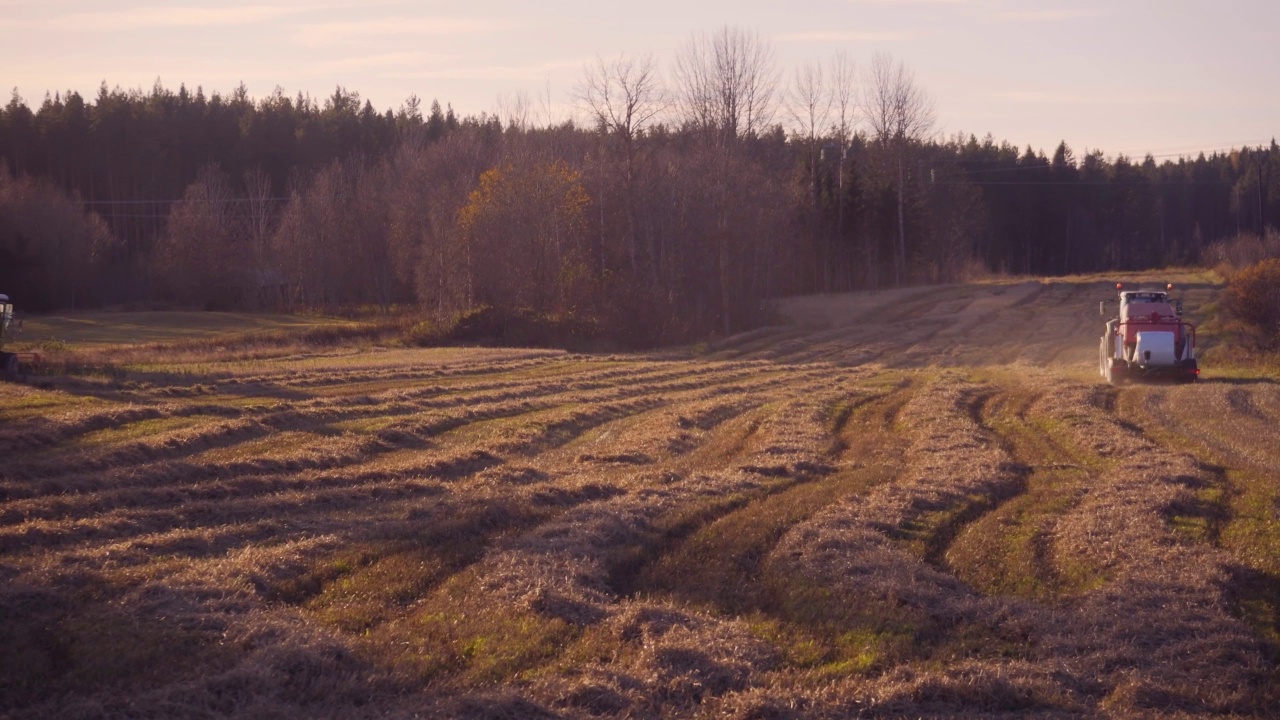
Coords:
1170,78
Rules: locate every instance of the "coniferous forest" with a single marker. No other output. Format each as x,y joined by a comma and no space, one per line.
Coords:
675,211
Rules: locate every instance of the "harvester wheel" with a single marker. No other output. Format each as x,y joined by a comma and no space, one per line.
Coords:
9,364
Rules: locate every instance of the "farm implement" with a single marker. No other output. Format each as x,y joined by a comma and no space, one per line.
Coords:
1149,339
12,363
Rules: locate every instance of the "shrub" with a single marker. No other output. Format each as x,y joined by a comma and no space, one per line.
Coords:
1241,251
425,333
1253,297
487,325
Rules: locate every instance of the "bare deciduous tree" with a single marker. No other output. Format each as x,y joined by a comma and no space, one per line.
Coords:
260,212
844,84
810,101
727,82
623,96
197,259
515,110
809,105
900,113
429,184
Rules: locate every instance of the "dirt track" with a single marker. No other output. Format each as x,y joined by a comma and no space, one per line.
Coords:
910,503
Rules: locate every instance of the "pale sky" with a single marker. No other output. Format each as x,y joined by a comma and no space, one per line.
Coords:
1133,76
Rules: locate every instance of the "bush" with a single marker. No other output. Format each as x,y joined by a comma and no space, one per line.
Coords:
1253,297
425,333
1241,251
486,325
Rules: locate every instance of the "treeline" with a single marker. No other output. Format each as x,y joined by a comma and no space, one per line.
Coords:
676,211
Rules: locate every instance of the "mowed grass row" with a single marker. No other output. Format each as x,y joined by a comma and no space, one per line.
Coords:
1133,554
113,438
1236,507
246,510
279,450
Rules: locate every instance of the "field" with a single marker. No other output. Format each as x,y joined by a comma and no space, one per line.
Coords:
103,330
919,502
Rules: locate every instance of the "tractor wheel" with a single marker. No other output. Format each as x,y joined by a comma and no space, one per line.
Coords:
9,364
1117,371
1189,372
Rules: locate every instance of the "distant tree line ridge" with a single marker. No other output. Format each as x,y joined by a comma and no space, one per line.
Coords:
675,212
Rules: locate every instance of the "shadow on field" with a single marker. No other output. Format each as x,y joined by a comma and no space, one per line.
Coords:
133,385
57,644
1240,381
1256,595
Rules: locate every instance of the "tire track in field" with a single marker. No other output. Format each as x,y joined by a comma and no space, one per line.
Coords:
1139,641
719,564
872,570
165,474
113,516
1010,551
1235,422
893,531
552,604
1147,637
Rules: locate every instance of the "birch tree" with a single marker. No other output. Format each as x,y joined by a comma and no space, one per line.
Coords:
727,86
623,97
727,82
900,114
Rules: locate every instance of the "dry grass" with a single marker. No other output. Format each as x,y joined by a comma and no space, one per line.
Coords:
918,503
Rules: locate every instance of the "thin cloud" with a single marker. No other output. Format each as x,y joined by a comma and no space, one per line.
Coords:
835,36
494,72
325,34
989,9
136,18
1051,15
1059,97
910,2
387,60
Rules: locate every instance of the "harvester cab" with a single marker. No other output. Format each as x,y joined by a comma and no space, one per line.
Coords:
1149,338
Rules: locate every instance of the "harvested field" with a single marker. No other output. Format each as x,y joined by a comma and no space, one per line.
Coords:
921,502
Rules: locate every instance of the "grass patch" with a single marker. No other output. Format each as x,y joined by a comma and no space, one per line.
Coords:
455,639
367,425
279,445
139,430
107,329
832,648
